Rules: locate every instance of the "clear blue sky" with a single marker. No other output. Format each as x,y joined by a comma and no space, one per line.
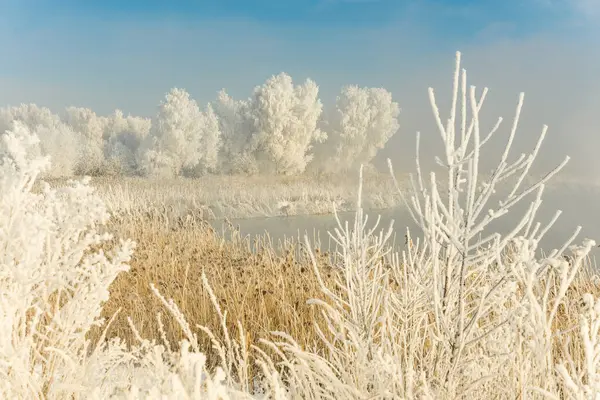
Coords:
126,54
528,15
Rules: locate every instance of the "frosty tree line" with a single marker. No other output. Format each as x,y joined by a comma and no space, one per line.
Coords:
281,129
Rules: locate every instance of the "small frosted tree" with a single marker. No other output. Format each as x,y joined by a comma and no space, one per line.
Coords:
123,137
56,139
285,123
236,126
209,143
30,114
364,120
179,138
109,144
54,279
64,148
90,128
494,302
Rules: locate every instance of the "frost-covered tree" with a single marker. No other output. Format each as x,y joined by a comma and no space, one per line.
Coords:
209,143
273,131
109,144
122,139
181,139
363,121
285,124
90,128
236,126
63,147
30,114
56,139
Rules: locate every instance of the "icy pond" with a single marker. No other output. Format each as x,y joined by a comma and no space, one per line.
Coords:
580,206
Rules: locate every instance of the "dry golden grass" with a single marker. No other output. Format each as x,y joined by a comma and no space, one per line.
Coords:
266,290
568,323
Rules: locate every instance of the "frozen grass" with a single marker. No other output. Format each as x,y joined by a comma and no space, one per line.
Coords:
232,197
451,316
266,290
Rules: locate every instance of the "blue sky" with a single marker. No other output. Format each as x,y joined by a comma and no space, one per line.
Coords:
303,12
127,54
447,20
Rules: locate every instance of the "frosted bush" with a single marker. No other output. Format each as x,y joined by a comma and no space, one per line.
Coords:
583,381
460,313
236,126
209,144
90,128
108,144
29,114
56,139
53,282
494,303
64,149
122,139
156,163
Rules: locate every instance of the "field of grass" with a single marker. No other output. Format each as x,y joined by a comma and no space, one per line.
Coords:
266,290
232,197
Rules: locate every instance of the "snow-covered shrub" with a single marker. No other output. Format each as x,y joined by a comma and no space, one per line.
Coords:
363,121
182,138
494,302
53,278
56,139
122,139
463,312
236,126
30,114
583,381
109,144
90,130
209,144
64,148
55,272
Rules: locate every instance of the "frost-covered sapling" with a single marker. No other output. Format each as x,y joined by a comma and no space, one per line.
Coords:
487,289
